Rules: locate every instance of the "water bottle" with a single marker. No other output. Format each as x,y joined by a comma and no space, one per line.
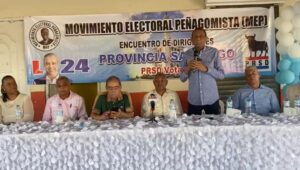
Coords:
81,123
19,113
229,103
203,113
172,109
297,104
286,106
59,114
248,104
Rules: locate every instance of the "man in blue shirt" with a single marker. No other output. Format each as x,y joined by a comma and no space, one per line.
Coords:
263,99
202,66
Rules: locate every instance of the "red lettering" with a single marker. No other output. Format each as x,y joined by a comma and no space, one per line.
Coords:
143,70
36,67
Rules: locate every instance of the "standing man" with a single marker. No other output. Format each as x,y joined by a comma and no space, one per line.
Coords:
263,99
73,105
162,96
202,66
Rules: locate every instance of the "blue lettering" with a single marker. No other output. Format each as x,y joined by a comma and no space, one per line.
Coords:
174,56
111,59
102,59
162,58
119,59
128,58
141,58
150,57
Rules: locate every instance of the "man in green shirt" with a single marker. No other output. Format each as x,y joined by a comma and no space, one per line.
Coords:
112,104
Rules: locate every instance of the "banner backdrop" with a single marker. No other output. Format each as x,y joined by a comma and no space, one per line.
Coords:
136,46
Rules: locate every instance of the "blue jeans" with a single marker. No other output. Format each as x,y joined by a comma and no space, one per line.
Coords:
209,109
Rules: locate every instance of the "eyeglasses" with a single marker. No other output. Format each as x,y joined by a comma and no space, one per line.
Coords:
113,88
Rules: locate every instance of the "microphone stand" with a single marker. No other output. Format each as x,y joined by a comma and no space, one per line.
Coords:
152,118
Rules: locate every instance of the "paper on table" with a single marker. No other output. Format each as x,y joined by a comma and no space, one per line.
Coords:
233,112
290,111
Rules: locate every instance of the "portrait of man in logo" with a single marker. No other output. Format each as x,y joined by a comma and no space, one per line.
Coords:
45,35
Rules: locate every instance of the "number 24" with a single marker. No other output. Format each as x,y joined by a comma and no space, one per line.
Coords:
82,65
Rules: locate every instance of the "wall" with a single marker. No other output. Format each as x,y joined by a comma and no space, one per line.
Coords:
16,8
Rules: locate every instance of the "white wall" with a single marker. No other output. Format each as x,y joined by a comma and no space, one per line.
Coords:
19,8
12,59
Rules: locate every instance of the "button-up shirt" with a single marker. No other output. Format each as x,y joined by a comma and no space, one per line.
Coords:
263,100
203,88
73,106
161,104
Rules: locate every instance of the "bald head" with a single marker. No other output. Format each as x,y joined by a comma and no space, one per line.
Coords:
252,77
63,86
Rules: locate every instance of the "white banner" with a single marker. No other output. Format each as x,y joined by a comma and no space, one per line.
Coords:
138,45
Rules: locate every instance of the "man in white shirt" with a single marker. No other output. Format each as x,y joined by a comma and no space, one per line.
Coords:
160,98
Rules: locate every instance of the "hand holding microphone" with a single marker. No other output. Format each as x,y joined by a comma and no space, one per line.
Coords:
196,55
197,63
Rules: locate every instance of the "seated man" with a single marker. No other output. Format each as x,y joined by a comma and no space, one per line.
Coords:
263,99
162,97
112,104
73,105
292,92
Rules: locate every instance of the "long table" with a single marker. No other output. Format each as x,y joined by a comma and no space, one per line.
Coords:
192,142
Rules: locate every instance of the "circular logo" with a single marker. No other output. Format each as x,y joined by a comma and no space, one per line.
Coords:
44,35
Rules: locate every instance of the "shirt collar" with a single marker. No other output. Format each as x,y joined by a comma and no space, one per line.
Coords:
53,81
260,86
201,50
70,96
166,92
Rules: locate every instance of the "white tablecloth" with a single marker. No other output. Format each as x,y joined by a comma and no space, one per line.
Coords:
185,143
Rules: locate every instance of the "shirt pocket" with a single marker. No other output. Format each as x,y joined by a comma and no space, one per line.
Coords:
73,112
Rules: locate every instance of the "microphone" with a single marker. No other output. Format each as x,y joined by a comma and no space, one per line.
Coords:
196,55
196,58
152,101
